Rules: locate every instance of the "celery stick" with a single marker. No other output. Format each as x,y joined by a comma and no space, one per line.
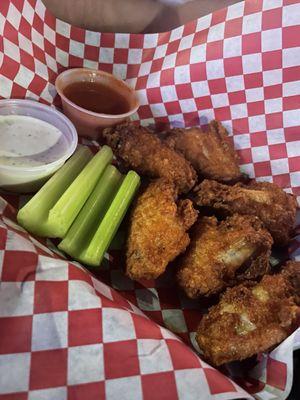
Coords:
33,216
96,249
63,214
87,221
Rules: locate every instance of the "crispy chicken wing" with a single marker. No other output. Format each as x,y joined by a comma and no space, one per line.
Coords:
210,153
275,208
141,150
221,254
157,232
251,318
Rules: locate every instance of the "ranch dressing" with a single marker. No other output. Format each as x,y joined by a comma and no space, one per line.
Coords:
29,142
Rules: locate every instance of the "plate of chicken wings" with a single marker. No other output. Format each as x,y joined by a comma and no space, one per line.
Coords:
199,212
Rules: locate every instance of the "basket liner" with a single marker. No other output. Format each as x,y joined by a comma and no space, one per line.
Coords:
66,333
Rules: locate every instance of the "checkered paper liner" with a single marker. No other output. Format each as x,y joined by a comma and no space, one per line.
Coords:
66,334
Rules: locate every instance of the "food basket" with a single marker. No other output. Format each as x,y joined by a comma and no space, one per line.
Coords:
67,333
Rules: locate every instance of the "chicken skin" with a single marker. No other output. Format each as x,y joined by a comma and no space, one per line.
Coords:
210,153
222,254
158,230
141,150
274,207
251,318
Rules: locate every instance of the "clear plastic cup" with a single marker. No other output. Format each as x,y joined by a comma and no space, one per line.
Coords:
28,179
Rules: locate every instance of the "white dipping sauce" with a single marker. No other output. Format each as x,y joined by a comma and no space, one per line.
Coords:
29,142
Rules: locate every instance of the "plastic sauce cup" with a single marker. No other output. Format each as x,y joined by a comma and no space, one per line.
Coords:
88,123
28,179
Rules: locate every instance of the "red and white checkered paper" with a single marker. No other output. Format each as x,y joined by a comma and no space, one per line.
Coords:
65,334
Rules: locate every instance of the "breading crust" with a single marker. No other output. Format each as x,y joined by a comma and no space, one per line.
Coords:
211,153
223,254
157,232
250,318
274,207
142,150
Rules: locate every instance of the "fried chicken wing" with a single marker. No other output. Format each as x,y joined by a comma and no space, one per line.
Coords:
158,230
275,208
222,254
141,150
210,153
251,318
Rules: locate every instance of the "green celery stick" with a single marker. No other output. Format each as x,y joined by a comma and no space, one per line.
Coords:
95,251
87,221
34,215
64,212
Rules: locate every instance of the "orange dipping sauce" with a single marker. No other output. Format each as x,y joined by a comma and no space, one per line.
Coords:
94,99
97,97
